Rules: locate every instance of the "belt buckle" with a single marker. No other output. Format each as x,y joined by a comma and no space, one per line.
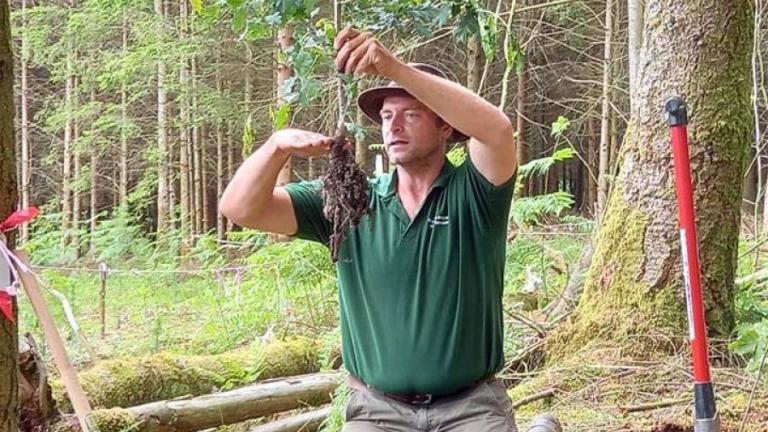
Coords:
423,399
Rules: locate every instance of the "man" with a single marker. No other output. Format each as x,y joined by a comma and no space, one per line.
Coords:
420,279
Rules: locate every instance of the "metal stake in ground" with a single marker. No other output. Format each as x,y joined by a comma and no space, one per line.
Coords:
706,419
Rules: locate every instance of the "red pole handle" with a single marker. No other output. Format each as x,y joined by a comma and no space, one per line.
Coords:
689,242
704,400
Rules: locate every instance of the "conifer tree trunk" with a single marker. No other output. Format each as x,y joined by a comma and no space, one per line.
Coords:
634,285
66,181
284,40
162,135
9,387
220,173
26,162
593,152
602,176
361,147
230,163
197,162
77,165
94,184
184,142
522,156
204,204
123,183
474,62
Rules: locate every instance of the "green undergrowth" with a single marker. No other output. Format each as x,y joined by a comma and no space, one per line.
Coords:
208,308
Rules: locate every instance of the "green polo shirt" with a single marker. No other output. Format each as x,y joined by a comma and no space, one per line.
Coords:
420,300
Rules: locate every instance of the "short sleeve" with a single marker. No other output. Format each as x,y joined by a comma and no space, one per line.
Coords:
490,203
308,207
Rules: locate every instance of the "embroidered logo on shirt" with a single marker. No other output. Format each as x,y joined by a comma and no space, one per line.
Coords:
439,220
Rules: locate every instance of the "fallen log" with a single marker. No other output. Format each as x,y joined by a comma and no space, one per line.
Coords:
219,409
755,277
306,422
134,381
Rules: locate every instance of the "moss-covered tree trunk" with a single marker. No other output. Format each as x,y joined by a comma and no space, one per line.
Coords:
699,50
9,388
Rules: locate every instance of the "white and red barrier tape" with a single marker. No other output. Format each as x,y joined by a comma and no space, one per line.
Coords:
9,277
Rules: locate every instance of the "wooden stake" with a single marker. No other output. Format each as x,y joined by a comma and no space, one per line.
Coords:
53,338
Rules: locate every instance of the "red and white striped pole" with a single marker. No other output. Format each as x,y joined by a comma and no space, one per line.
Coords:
706,418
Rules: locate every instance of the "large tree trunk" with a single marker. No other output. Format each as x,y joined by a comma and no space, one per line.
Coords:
162,135
634,286
218,409
9,387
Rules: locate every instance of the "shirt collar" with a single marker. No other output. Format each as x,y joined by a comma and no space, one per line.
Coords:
387,186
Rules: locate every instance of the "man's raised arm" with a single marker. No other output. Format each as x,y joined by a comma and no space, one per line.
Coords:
251,198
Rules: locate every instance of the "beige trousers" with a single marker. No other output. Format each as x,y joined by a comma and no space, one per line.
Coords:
485,408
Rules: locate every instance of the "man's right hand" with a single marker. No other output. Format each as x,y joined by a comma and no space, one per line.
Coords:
297,142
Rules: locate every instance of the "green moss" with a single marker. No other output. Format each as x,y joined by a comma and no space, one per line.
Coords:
111,420
294,357
732,408
618,309
134,381
116,420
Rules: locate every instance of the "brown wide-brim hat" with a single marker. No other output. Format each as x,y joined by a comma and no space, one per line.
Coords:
372,99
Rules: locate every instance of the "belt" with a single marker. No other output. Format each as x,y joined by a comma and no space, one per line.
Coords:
416,398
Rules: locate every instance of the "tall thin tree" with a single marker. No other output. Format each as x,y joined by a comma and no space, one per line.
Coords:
602,177
284,71
26,161
162,132
93,201
123,158
185,203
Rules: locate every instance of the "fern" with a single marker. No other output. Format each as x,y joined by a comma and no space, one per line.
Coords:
579,223
752,343
541,166
530,210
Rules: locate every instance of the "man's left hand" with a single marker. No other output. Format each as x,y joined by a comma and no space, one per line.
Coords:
360,53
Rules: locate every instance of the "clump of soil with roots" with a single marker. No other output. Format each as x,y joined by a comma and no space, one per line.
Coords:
345,192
